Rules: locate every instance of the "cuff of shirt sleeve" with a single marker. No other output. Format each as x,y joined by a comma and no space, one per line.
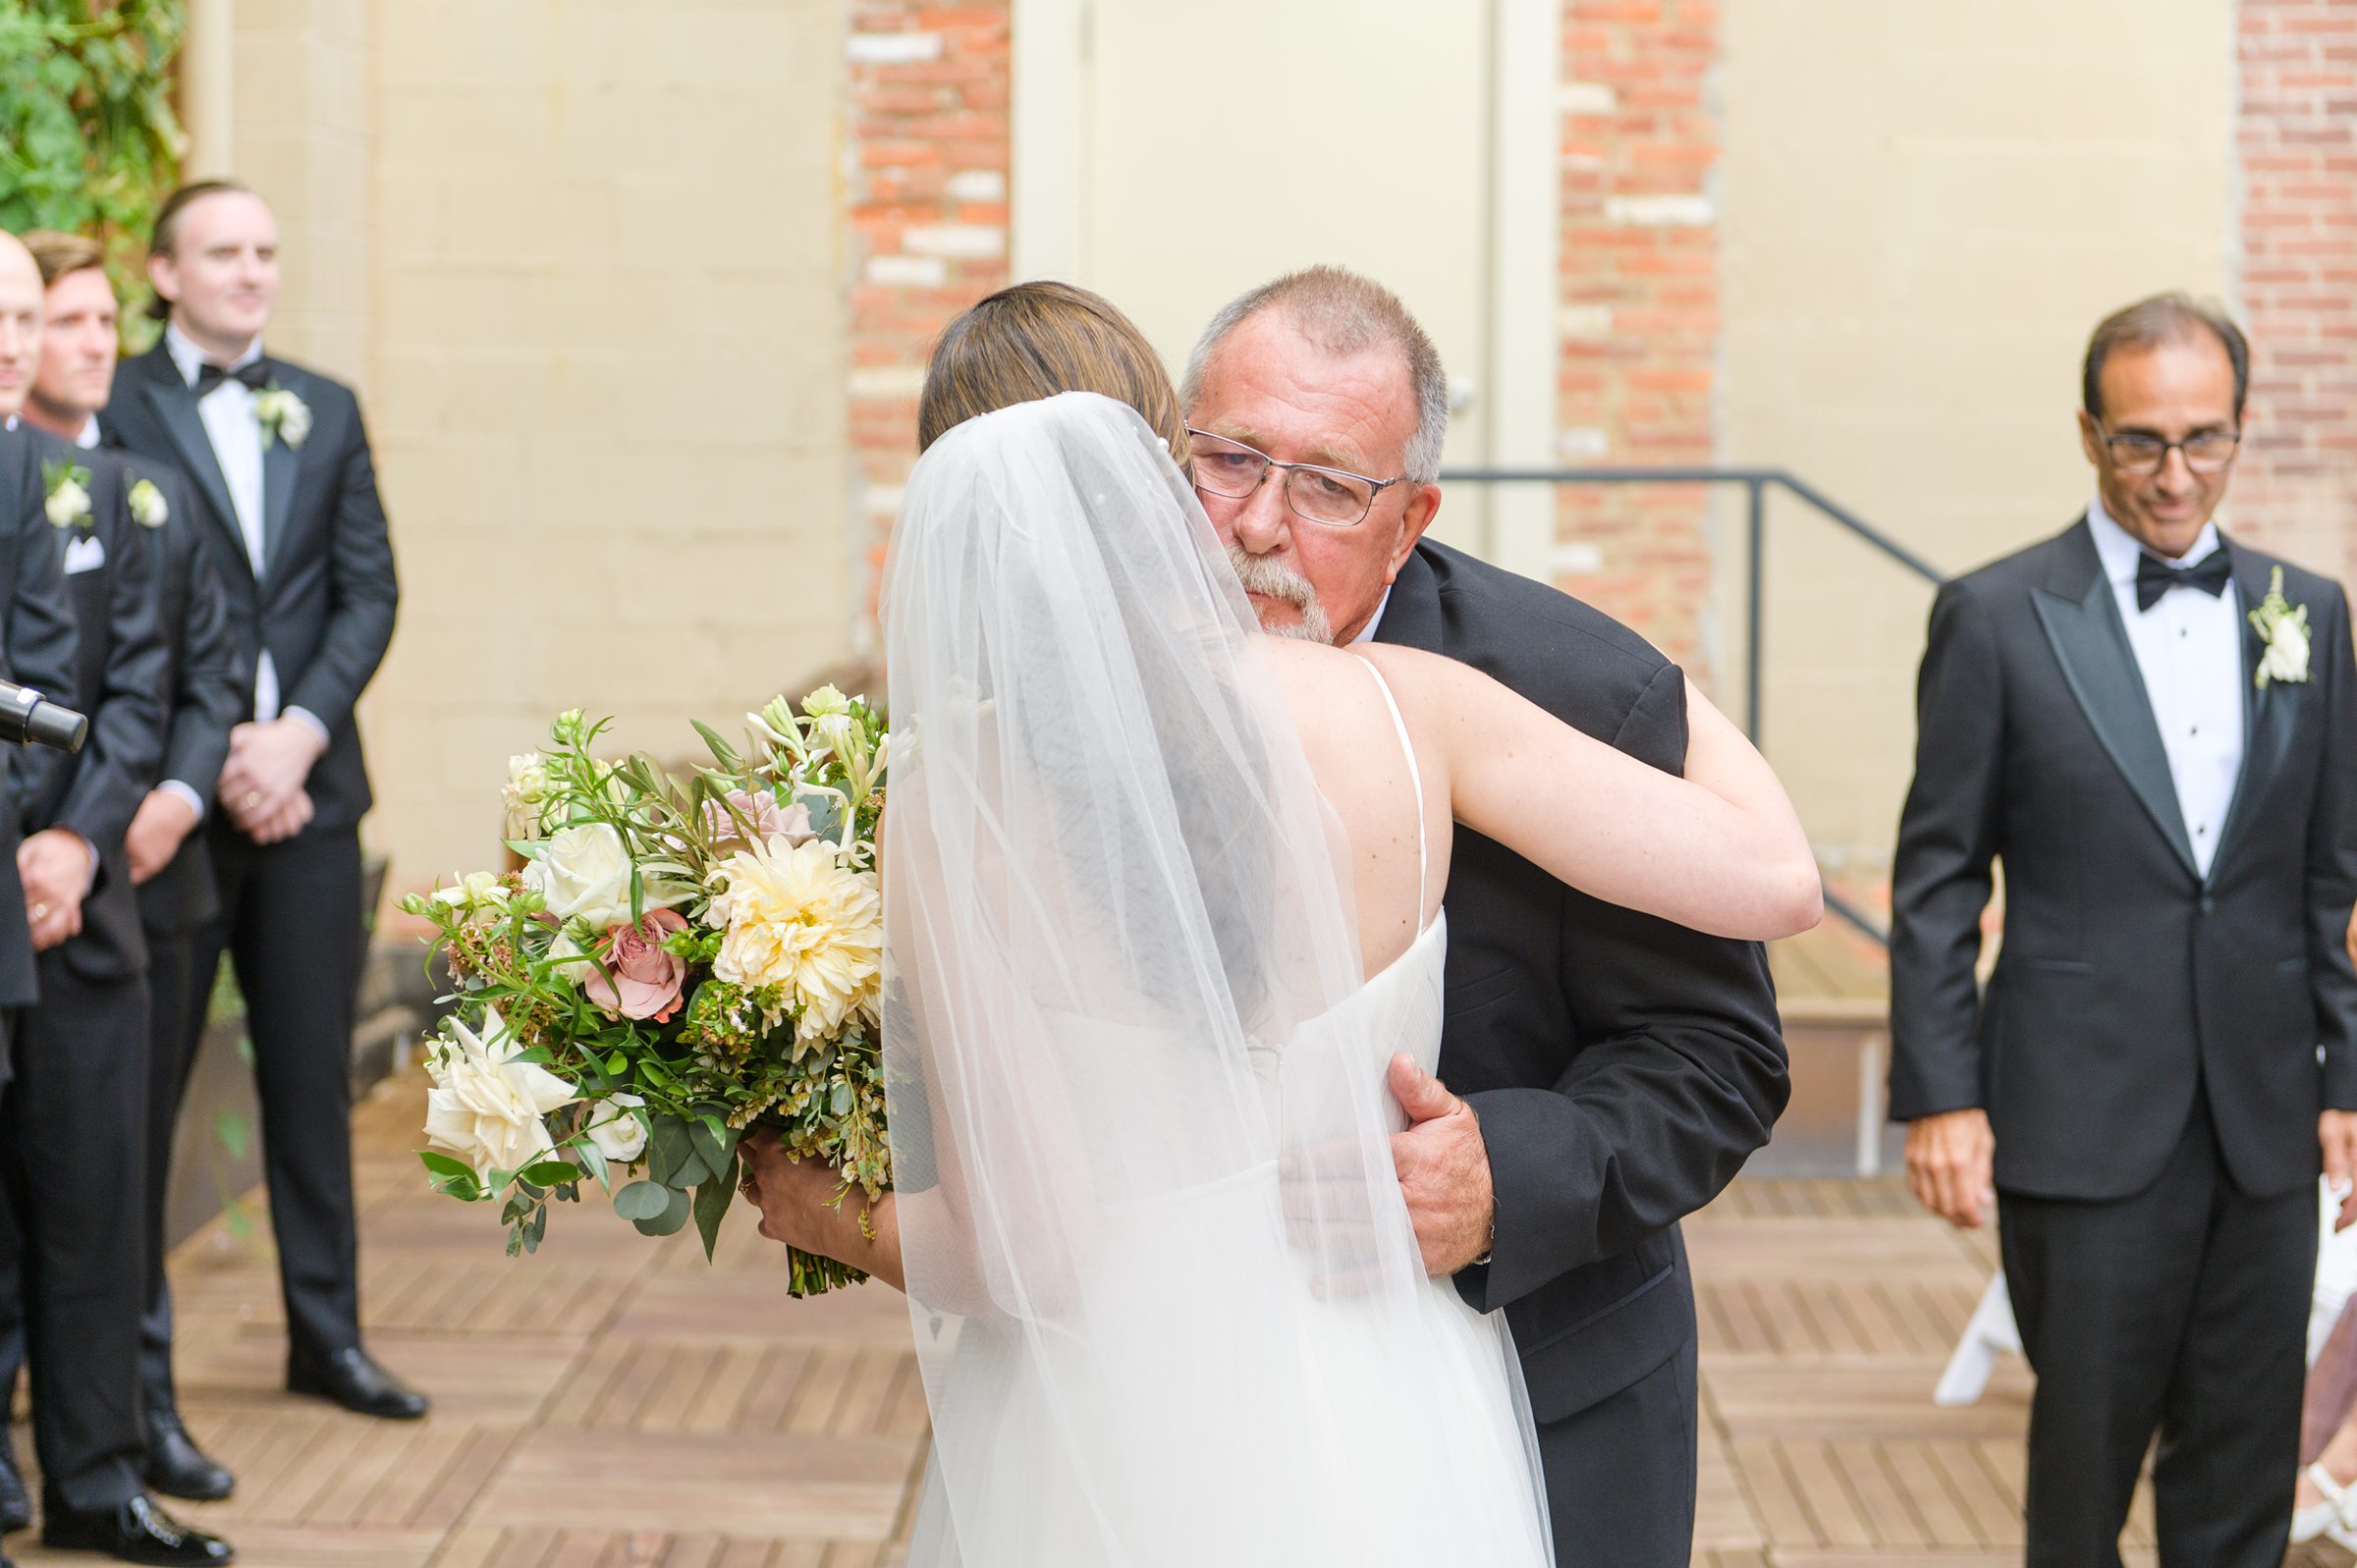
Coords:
186,792
311,719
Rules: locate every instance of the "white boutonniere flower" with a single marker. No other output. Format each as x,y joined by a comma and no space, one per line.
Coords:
2282,629
149,509
69,491
283,415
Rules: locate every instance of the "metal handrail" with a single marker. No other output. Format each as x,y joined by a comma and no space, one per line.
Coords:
1756,483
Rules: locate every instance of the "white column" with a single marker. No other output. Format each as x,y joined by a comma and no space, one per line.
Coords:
207,89
1526,214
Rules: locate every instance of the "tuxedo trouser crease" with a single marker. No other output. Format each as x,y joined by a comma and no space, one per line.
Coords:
72,1135
2183,1310
290,923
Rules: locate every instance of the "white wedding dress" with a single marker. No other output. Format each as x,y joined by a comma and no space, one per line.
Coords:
1168,1304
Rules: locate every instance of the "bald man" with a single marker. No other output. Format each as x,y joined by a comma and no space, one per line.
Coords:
74,1128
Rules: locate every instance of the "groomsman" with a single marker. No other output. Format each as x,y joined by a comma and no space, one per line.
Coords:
36,649
2152,726
286,499
169,870
71,1144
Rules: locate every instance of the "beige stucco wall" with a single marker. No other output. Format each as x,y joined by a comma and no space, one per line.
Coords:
1924,213
583,262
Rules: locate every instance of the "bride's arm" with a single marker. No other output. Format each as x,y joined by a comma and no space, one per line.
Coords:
1720,850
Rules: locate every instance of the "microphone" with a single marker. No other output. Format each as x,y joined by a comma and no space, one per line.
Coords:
29,719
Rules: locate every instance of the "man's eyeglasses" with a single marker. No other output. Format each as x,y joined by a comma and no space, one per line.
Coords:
1335,497
2137,452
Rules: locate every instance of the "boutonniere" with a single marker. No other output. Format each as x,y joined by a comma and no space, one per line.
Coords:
2283,629
69,487
149,509
283,416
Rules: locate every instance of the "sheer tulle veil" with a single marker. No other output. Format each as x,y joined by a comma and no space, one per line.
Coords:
1143,1185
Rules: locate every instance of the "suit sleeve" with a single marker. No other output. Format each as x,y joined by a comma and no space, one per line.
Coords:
1941,876
362,593
40,639
126,724
1679,1078
2332,862
209,696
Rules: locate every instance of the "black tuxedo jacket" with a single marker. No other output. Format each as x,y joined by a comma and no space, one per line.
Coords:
36,649
2126,980
205,682
324,602
1622,1068
120,676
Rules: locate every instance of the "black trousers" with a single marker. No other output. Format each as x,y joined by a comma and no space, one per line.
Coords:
176,1005
2183,1310
72,1156
290,923
1620,1473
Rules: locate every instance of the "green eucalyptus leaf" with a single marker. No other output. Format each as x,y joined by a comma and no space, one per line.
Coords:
673,1214
643,1200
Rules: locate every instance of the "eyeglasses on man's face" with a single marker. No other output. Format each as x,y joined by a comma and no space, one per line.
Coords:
2141,453
1333,496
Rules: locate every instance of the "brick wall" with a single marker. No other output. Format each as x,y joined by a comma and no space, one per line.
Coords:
927,166
1640,306
2297,488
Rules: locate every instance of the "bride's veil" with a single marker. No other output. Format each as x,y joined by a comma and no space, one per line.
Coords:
1129,1157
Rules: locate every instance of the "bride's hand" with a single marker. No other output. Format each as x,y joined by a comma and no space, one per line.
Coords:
795,1197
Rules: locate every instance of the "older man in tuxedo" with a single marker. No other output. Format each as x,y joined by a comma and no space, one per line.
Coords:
1615,1070
286,499
161,858
2152,726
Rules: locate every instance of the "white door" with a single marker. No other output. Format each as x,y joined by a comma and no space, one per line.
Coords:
1172,157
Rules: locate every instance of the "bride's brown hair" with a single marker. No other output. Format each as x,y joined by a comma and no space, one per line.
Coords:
1034,341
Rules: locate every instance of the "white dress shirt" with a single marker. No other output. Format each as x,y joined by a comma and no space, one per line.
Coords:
87,441
2189,649
1367,632
236,434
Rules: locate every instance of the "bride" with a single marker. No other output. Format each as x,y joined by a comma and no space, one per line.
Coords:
1162,903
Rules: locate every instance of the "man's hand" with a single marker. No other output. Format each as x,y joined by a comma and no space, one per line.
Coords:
288,821
161,825
55,866
1951,1158
269,762
1444,1170
2336,1130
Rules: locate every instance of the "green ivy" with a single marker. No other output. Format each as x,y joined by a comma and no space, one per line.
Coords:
88,142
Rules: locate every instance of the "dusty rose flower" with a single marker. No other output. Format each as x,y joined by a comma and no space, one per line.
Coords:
645,980
762,814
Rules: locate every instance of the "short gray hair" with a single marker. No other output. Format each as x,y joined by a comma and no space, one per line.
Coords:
1342,313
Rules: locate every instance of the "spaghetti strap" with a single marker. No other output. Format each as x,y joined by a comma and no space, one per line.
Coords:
1415,777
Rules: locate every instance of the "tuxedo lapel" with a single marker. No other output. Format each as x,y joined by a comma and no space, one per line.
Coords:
281,463
2081,618
2270,713
175,407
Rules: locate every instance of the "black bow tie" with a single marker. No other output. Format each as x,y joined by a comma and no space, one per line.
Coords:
255,374
2156,576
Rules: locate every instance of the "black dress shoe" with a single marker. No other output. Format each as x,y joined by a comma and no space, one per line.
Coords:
136,1532
15,1508
351,1379
176,1467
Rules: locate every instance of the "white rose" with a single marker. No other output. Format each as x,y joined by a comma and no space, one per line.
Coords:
68,504
584,874
294,425
486,1107
619,1133
149,507
523,795
2287,657
477,890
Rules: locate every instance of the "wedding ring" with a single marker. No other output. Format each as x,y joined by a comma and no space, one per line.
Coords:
254,798
40,912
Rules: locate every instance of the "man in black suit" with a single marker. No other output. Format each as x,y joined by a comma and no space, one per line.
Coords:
170,873
2159,748
287,501
71,1148
1615,1070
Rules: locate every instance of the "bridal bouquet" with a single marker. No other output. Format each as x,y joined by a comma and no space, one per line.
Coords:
679,960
